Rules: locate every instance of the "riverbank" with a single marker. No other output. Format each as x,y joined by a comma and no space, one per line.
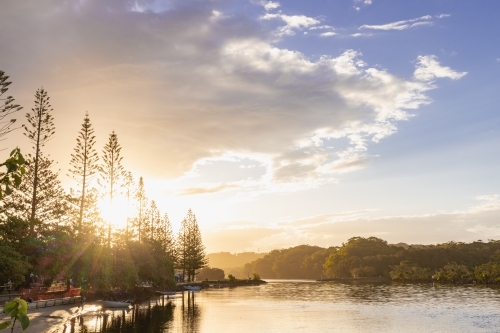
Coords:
52,319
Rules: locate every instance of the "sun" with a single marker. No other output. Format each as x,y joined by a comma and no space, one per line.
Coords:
115,213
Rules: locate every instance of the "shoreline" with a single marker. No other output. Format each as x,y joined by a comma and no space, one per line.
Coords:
52,319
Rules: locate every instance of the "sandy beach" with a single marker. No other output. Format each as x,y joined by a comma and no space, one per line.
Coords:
52,319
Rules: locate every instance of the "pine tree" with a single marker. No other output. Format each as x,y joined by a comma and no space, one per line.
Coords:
111,170
7,108
196,250
168,240
50,205
128,183
39,133
83,163
155,225
190,248
141,201
182,245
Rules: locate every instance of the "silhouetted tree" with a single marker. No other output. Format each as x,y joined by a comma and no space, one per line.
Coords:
40,130
83,163
128,183
7,108
141,202
111,168
190,248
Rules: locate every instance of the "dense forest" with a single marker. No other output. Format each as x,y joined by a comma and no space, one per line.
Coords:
49,234
373,257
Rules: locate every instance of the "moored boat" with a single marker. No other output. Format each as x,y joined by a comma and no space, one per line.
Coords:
114,304
169,293
192,288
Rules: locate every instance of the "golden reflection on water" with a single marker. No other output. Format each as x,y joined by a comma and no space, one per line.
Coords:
307,306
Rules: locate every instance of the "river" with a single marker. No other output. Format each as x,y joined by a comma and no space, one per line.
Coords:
308,306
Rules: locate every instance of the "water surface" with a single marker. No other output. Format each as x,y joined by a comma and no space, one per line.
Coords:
308,306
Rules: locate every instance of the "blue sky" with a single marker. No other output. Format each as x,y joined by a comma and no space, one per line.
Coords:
280,122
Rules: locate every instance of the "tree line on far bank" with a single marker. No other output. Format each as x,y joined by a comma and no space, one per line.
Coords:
452,262
47,233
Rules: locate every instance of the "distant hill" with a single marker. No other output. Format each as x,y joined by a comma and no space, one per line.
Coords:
226,260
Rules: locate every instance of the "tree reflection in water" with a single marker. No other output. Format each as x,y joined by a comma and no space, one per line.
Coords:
154,317
190,313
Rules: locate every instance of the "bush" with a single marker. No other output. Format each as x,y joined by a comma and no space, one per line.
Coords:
256,276
231,278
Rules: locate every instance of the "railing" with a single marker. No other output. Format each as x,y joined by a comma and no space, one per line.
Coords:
50,302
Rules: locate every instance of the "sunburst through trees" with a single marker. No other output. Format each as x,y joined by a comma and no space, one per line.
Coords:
51,234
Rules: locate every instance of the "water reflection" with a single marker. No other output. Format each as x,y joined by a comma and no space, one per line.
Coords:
191,313
307,306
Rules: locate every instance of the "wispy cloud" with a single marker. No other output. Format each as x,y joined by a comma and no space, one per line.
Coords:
478,222
328,34
207,190
405,24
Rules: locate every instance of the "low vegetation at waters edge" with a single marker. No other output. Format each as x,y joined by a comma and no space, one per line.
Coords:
360,257
48,234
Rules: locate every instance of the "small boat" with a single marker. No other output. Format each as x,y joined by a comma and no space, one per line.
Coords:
192,288
114,304
169,293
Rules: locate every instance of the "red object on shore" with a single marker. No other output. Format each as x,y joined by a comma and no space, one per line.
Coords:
50,293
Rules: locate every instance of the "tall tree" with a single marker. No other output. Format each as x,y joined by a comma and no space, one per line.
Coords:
7,108
111,169
40,130
190,248
168,240
141,201
128,183
155,223
83,163
49,197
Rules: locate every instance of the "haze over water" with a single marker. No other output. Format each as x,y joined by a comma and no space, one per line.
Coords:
307,306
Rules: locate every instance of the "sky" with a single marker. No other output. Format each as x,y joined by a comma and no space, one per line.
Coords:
278,123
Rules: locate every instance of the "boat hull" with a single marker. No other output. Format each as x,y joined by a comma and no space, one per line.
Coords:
113,304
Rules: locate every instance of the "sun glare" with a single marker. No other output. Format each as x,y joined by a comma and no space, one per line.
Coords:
115,212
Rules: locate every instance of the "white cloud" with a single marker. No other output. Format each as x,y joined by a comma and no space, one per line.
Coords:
271,5
208,85
293,22
400,25
428,68
328,34
360,35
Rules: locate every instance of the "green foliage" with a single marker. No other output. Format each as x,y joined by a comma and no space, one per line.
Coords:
453,272
13,265
360,257
17,309
12,176
256,276
299,262
407,271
